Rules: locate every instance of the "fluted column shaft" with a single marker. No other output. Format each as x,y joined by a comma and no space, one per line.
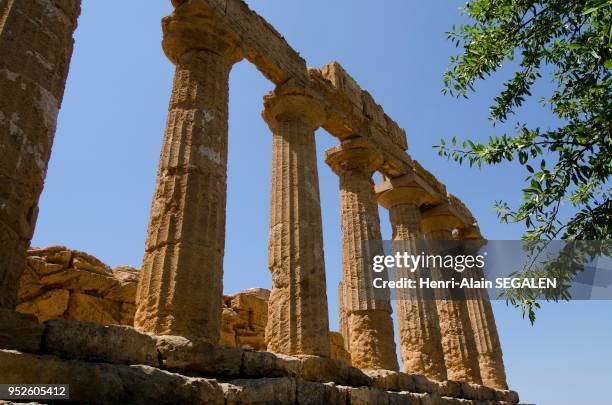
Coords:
180,288
297,309
460,354
490,356
417,316
35,51
370,327
343,322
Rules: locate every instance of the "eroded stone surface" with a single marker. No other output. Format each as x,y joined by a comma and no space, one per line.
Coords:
180,288
36,46
199,358
297,310
93,342
19,331
60,283
100,383
417,316
337,348
458,344
490,357
368,319
244,319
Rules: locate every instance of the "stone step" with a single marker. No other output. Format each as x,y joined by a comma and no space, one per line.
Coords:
81,343
103,383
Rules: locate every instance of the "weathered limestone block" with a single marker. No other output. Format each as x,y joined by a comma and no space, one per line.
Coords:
96,382
19,331
297,310
68,339
36,47
351,110
79,280
344,83
99,383
244,319
282,390
50,305
266,364
490,357
84,261
337,348
323,369
365,395
315,393
396,381
229,318
59,255
52,287
88,308
180,288
417,316
182,354
370,327
261,391
460,354
252,304
148,385
94,342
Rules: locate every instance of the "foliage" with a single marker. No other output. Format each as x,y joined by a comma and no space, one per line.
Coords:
568,165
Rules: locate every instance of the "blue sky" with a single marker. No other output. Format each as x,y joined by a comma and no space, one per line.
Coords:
102,170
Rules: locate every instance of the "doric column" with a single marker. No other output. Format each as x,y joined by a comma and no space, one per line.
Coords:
417,315
490,357
35,50
297,309
460,355
370,328
180,288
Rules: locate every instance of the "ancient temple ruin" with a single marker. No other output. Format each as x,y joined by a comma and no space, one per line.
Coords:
450,349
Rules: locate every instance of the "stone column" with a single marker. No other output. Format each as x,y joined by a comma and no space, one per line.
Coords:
460,354
370,328
417,315
490,357
180,288
35,50
297,309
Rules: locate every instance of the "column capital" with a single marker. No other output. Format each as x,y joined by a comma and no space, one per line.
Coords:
191,28
407,189
356,154
280,106
440,218
471,232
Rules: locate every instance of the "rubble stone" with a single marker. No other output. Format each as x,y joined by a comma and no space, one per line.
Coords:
51,287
